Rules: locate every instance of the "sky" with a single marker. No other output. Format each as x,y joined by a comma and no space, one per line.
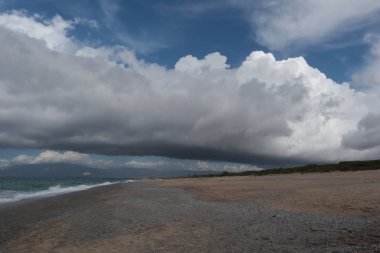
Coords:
215,85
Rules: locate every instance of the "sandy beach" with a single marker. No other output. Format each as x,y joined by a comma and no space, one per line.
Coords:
321,212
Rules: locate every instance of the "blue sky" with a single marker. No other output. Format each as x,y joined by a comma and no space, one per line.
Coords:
157,30
164,31
339,39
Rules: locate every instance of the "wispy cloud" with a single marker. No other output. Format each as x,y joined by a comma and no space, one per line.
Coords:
283,24
191,9
87,22
142,44
289,25
110,9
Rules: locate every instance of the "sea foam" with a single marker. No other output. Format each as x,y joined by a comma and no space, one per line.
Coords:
12,196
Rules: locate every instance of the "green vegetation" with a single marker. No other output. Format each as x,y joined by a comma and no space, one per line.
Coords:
342,166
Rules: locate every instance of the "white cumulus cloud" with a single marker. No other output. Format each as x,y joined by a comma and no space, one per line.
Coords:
4,163
53,32
104,100
50,156
147,164
202,165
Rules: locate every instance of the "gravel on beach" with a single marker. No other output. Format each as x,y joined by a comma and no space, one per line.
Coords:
147,217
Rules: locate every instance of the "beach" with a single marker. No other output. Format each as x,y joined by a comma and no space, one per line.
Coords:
316,212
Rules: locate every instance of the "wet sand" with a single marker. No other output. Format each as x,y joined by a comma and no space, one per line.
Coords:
329,212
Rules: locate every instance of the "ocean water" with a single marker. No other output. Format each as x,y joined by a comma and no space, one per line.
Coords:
12,190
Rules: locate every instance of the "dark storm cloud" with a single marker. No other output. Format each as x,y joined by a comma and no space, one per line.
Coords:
367,136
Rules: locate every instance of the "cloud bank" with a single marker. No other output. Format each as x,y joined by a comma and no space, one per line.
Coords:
72,157
58,94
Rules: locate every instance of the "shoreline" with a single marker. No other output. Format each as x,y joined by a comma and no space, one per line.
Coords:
176,216
48,193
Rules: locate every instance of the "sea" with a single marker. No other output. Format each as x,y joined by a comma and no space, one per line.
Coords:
12,190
